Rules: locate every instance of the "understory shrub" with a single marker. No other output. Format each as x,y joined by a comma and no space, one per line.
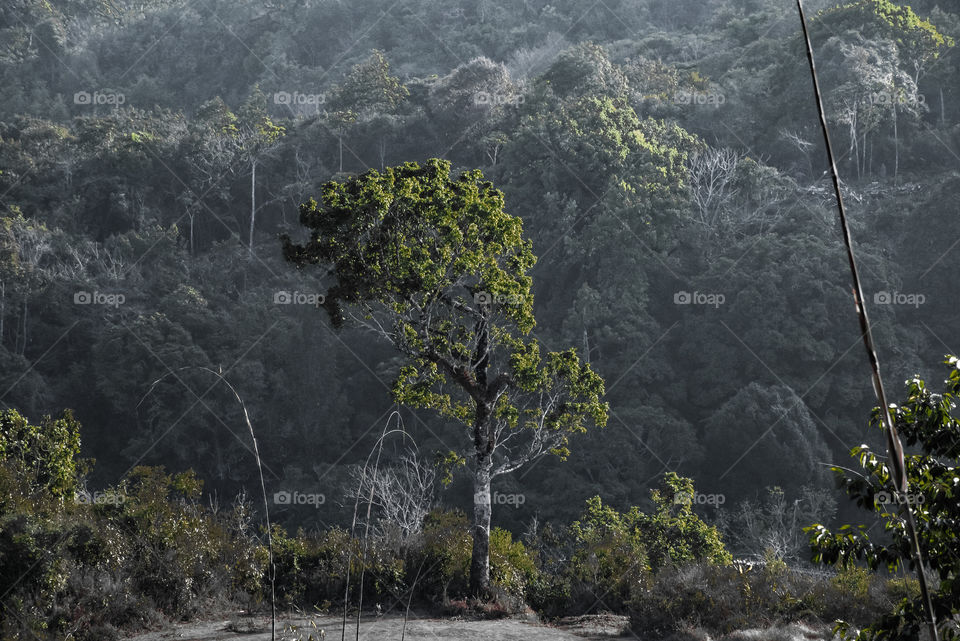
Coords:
721,599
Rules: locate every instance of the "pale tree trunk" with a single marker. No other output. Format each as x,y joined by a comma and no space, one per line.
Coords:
23,349
863,165
3,307
483,445
854,152
896,148
482,511
253,200
943,113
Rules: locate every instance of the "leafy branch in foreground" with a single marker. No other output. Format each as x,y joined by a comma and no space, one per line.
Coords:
927,420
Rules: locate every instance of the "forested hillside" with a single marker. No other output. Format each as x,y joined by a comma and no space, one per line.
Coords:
664,158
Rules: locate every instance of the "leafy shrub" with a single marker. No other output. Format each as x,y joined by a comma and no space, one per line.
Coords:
443,563
614,554
84,569
723,598
512,568
609,558
43,455
926,420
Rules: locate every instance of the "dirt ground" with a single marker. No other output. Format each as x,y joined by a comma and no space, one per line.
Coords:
388,628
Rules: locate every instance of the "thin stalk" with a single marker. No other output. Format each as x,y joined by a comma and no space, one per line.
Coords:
263,487
413,588
378,446
894,446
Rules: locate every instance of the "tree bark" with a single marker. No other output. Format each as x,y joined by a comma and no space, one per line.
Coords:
484,445
482,510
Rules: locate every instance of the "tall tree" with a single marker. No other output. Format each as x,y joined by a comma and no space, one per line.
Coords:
368,92
257,137
435,266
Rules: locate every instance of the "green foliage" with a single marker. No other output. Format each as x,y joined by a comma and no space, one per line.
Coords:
405,236
84,563
369,88
512,568
588,135
920,39
673,534
610,560
616,554
926,419
443,560
446,554
446,463
44,454
722,599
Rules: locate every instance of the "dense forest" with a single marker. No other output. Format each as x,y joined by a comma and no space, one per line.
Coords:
665,160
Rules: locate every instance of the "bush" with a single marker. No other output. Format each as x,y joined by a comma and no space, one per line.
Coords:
613,554
44,455
926,420
443,561
72,566
444,556
512,568
723,598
